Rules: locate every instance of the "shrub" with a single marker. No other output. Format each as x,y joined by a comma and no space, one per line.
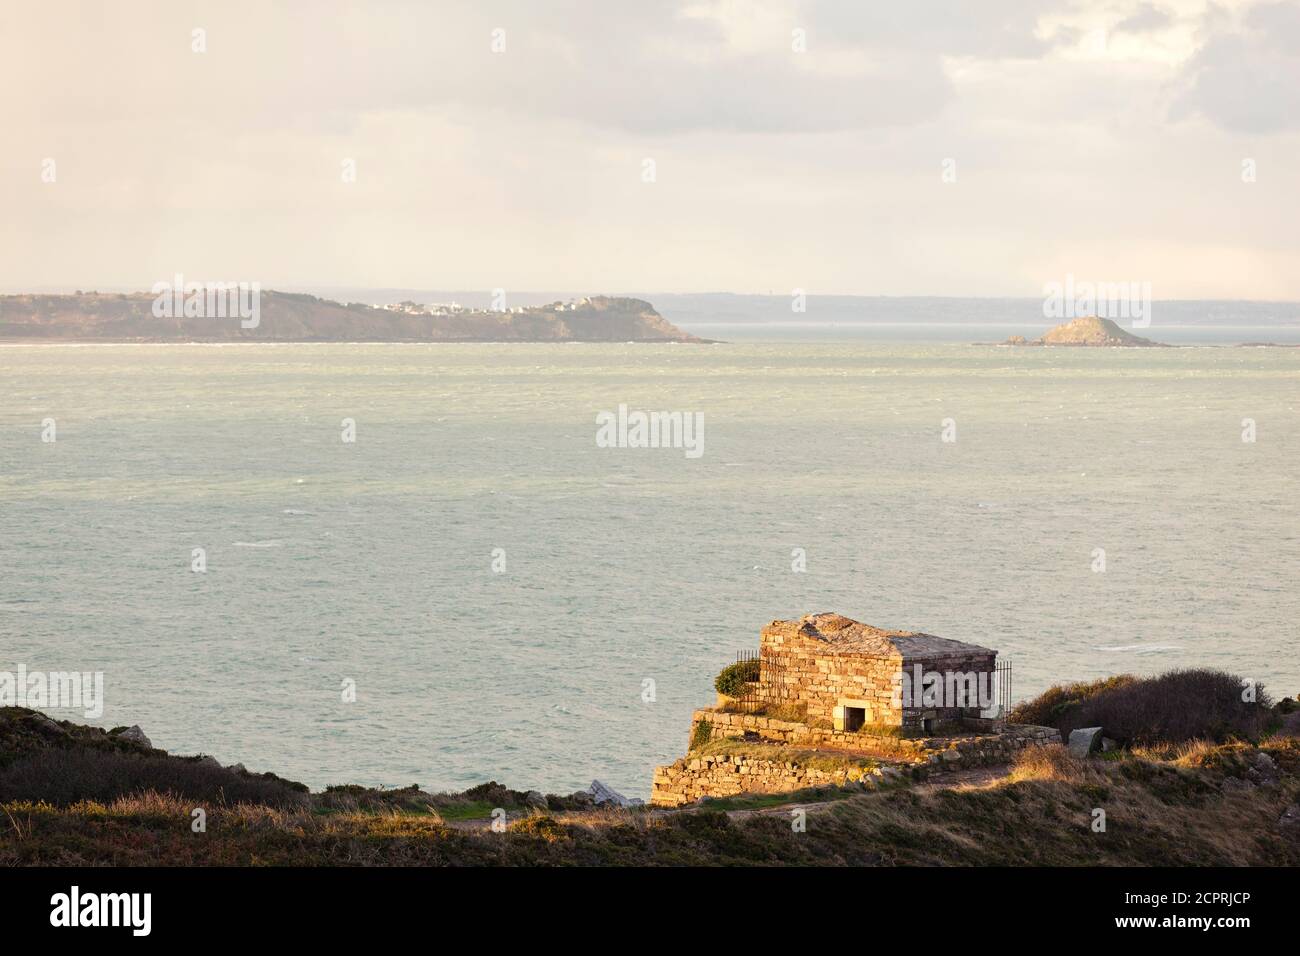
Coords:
70,775
355,798
540,825
1048,708
1178,706
733,678
702,735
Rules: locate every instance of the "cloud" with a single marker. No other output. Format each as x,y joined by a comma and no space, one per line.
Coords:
1246,77
989,29
523,169
1147,19
651,68
677,68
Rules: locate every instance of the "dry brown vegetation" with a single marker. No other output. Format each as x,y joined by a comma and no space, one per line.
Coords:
1051,762
1198,804
1174,707
1186,803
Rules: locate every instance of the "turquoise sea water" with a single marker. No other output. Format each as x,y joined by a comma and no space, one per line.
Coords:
372,561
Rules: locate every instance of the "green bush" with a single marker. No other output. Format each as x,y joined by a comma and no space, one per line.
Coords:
1177,706
733,678
1047,709
702,735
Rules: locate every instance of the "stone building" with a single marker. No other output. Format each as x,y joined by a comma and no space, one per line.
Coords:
852,674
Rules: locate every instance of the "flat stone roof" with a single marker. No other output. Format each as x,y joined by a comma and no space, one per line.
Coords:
843,635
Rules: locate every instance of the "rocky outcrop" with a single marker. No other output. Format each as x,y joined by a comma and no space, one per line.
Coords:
1091,332
602,795
25,732
135,735
1085,741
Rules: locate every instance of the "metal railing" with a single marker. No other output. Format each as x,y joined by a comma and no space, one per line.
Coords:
1004,688
771,684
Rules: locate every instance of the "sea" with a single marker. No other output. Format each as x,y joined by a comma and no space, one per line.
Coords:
395,564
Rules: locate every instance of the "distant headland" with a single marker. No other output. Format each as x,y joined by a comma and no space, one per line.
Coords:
229,313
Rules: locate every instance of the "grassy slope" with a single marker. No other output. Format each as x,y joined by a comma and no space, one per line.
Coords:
1175,808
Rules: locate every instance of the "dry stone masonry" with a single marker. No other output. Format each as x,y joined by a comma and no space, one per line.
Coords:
851,674
975,749
845,676
723,775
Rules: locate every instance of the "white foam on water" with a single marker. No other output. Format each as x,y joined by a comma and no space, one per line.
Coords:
1142,648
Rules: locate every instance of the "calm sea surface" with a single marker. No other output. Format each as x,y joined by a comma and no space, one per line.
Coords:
372,561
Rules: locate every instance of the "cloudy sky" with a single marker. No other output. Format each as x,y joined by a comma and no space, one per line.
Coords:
794,143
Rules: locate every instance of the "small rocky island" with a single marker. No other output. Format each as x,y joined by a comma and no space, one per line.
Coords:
292,317
1090,332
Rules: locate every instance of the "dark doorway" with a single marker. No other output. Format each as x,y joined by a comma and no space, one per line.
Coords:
854,718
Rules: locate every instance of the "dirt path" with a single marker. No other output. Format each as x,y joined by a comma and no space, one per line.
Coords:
473,823
974,779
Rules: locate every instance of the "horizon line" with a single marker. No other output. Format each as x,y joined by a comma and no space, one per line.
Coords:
298,288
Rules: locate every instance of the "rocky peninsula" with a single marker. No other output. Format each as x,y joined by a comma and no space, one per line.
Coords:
200,315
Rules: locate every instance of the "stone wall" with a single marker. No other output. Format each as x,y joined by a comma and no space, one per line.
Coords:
726,775
974,663
791,733
823,682
723,775
966,750
819,682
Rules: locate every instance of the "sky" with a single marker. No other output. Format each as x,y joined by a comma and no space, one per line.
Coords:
926,147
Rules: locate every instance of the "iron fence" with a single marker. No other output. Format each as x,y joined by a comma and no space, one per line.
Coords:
771,685
1004,688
